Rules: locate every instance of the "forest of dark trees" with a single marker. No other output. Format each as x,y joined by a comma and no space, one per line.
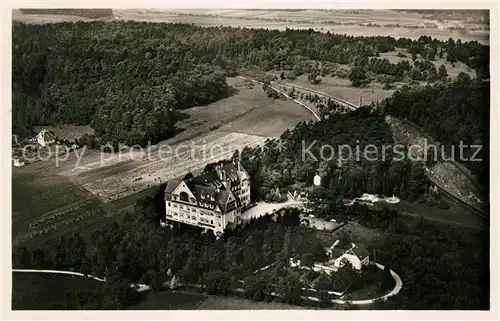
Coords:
352,177
452,113
129,80
442,267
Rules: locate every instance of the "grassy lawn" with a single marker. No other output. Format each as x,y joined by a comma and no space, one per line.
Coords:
456,214
359,234
248,110
169,300
263,115
234,303
45,291
341,88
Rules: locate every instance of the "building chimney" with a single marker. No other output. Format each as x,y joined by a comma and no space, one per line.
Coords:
225,181
219,173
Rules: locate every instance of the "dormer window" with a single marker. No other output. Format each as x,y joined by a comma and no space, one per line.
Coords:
184,197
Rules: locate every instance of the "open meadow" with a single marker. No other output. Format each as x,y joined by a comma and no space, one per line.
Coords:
87,187
341,88
46,291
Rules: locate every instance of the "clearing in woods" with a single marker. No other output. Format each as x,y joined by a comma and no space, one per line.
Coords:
374,92
452,69
341,88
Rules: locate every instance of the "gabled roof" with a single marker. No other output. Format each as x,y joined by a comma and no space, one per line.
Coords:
360,252
223,197
46,135
208,187
171,186
206,179
231,171
220,198
205,194
211,178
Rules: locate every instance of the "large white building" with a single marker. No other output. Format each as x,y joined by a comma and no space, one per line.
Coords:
212,200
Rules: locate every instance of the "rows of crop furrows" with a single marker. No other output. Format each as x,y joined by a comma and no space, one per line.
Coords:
52,223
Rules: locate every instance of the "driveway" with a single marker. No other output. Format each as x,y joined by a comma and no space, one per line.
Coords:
262,208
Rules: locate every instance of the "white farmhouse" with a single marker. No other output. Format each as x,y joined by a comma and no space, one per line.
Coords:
356,255
45,138
18,162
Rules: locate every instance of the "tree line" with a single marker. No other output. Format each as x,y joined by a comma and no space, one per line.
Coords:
129,80
450,113
442,267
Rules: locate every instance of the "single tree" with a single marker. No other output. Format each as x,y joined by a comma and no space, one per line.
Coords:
357,76
443,74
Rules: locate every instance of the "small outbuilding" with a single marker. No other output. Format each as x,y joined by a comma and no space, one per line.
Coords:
45,138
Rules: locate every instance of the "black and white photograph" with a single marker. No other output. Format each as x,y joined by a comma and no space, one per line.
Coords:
328,159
